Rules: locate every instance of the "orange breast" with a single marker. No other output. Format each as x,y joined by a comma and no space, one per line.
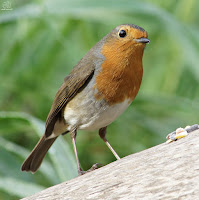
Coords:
121,73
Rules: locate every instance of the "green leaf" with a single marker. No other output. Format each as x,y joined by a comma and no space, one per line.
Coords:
19,188
63,163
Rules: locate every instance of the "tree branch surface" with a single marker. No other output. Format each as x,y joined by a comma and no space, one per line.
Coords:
166,172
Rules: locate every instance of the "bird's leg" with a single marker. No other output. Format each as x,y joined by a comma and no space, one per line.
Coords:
102,134
73,135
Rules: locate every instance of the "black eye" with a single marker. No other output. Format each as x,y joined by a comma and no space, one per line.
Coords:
122,33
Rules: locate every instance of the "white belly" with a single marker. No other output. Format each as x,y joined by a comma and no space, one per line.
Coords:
85,112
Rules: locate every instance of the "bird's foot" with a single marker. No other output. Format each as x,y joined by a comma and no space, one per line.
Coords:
180,133
95,166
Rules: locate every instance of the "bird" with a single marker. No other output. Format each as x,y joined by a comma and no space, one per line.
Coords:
98,90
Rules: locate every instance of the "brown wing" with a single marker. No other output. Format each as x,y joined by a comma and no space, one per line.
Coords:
73,83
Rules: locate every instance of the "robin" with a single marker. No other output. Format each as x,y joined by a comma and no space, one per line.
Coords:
99,88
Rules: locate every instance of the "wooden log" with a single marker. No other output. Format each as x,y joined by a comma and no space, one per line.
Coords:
167,171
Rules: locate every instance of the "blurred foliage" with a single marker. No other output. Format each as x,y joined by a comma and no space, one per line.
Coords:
40,43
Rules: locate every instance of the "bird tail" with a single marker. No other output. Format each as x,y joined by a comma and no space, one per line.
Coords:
34,160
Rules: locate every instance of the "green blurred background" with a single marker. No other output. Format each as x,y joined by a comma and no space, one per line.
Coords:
40,42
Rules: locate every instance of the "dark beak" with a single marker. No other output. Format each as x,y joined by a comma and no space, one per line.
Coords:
142,40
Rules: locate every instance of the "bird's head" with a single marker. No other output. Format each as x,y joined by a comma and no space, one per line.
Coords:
126,39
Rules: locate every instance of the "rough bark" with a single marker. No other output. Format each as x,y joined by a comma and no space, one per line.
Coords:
166,171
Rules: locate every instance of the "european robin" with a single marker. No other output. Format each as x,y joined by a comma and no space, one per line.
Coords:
99,88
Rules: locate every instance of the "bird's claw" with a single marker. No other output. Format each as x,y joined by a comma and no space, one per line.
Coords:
95,166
